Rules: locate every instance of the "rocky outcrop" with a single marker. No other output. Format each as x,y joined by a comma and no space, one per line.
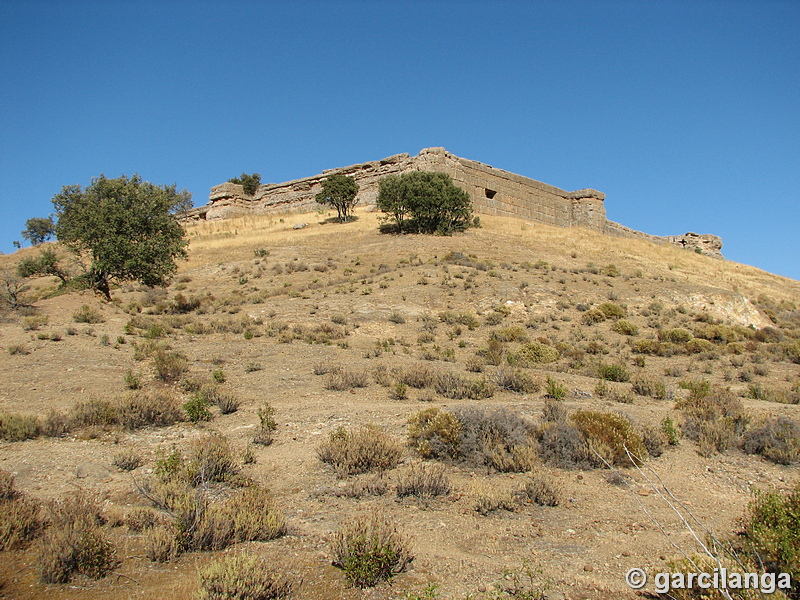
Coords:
493,191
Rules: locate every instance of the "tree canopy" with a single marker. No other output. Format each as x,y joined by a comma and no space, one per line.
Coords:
250,183
125,226
340,191
38,230
425,202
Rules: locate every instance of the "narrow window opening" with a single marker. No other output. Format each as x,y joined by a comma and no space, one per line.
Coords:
489,193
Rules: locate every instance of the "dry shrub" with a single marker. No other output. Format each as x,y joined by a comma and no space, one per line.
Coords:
459,387
56,424
648,385
370,549
210,459
75,543
500,439
161,543
127,460
15,427
159,408
488,498
140,518
714,418
245,576
417,376
424,481
777,439
374,486
342,379
365,449
553,411
435,433
611,436
540,490
7,491
515,333
562,445
517,381
92,413
21,518
654,439
170,366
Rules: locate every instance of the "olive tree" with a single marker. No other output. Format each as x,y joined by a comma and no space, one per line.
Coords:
425,202
340,191
38,230
125,227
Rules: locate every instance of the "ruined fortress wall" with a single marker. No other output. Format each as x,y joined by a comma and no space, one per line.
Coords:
493,191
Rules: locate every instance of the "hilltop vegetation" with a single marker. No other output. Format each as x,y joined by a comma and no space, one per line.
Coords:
487,401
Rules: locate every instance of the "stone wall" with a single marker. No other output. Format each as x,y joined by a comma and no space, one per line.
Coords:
493,191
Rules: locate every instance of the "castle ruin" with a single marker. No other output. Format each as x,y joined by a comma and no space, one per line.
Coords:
493,192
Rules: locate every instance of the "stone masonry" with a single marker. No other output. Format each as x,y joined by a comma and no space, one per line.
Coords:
493,191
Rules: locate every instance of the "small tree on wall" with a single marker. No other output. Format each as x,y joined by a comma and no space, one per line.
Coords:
250,183
340,192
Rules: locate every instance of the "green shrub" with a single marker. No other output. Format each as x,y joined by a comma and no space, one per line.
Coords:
535,353
15,427
646,346
613,372
772,533
370,549
624,327
434,432
360,451
86,314
611,310
609,435
592,316
196,409
554,389
267,425
675,336
245,576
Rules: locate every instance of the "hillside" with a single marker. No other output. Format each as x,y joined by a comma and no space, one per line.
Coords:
337,325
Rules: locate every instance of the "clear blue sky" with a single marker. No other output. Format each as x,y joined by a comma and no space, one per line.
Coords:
686,114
